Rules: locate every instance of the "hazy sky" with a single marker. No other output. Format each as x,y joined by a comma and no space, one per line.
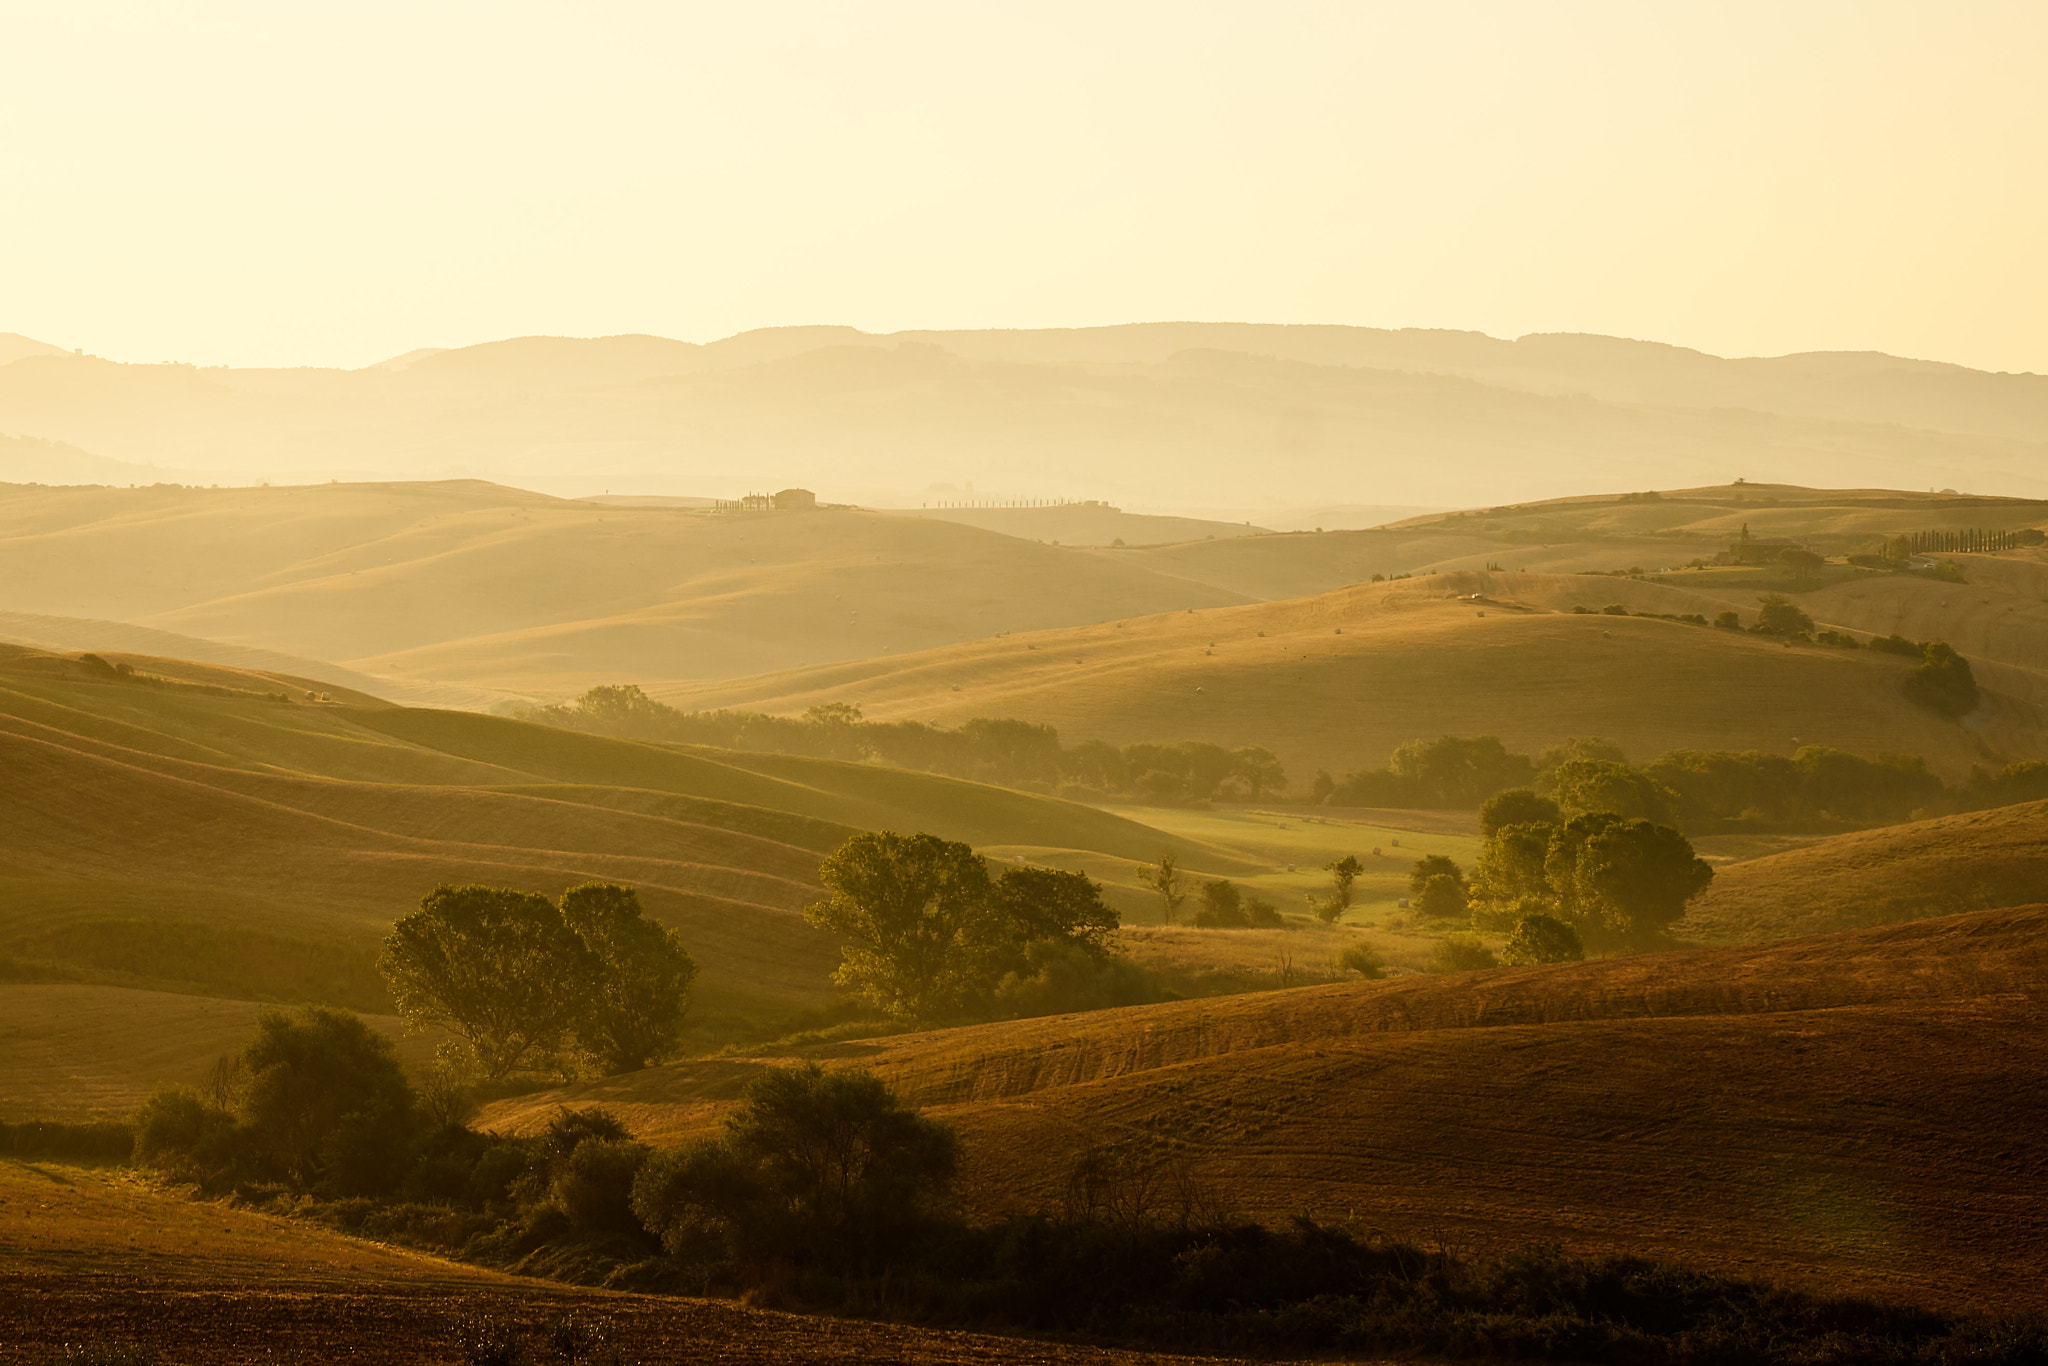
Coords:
335,183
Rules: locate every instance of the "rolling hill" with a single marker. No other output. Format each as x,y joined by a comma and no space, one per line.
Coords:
1226,415
489,588
1857,1111
1875,877
1337,681
192,828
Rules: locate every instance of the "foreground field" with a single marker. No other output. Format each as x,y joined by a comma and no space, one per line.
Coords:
94,1255
1860,1112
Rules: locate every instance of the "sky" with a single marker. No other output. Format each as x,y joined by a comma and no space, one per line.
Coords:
333,184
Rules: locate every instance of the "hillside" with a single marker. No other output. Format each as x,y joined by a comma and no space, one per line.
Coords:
1195,414
1086,524
1875,877
203,834
1337,681
489,588
1857,1111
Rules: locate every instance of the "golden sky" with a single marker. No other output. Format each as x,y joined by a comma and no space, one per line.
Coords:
335,183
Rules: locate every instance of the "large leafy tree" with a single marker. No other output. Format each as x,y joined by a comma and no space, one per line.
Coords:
1043,904
501,969
1604,785
1623,880
916,916
1943,682
641,978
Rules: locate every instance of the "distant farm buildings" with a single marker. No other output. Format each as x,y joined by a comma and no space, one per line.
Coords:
789,500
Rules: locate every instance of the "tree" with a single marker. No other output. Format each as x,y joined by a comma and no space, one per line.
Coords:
1802,563
499,968
1321,787
1602,785
1443,897
1777,615
1542,939
815,1165
1581,747
1222,907
1511,866
1516,806
1050,905
1433,865
1164,877
1258,770
325,1101
917,921
1943,682
1343,872
1626,880
1456,770
641,978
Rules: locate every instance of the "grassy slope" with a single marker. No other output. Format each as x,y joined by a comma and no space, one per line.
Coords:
469,583
173,837
1337,681
1854,1110
1875,877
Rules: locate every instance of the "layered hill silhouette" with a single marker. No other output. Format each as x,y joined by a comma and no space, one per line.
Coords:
1837,1110
1178,413
205,829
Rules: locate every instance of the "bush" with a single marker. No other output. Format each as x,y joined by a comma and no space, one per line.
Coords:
594,1187
1460,953
1943,683
1443,897
1778,615
1363,959
98,1141
1542,939
181,1133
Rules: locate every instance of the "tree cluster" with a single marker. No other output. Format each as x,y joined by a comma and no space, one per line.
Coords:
1006,752
527,984
926,932
1700,790
1612,881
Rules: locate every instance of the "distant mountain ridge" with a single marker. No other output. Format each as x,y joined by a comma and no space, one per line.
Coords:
1157,414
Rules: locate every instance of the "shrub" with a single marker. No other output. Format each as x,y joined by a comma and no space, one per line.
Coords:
326,1102
1460,953
1363,959
1896,645
179,1132
1542,939
1442,898
1728,621
594,1186
1943,683
1778,615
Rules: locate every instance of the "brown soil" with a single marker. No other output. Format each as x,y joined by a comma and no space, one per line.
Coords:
1861,1112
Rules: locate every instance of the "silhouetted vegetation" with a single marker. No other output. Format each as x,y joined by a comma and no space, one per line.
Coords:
93,1141
528,984
1330,907
1226,906
1010,753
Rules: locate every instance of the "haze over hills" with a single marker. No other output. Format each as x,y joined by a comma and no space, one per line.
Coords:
1226,415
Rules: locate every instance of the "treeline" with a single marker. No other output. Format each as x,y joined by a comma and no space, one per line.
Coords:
1009,753
1933,542
825,1188
1704,791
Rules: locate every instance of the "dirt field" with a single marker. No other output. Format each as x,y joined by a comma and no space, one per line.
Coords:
99,1255
1861,1112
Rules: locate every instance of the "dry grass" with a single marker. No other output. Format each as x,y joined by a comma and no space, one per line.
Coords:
1878,877
1860,1111
1336,682
93,1052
